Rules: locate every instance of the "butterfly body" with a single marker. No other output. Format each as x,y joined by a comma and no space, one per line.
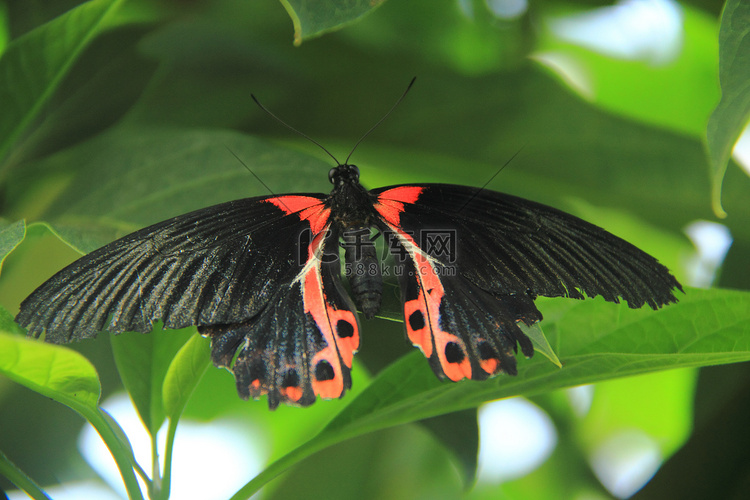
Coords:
354,217
262,278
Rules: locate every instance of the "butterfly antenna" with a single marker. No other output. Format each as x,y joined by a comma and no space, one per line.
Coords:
249,170
382,119
293,129
491,178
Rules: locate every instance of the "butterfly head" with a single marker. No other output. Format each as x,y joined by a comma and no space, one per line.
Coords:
344,174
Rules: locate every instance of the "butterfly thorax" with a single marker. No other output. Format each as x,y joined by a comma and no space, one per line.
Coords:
353,213
350,203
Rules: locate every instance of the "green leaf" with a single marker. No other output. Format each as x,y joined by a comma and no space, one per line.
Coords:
731,115
184,373
54,371
132,177
10,236
595,340
33,68
312,18
67,377
142,362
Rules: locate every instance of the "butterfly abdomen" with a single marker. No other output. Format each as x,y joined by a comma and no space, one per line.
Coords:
363,269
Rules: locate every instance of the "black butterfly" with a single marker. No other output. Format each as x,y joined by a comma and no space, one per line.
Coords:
235,271
262,276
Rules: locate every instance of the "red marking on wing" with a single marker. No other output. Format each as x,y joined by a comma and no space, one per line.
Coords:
491,366
391,202
293,393
404,194
431,293
306,207
421,337
327,318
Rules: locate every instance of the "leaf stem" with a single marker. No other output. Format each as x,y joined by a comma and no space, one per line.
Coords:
20,479
167,478
154,486
121,451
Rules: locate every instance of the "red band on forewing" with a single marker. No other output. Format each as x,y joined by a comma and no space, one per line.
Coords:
391,202
294,203
404,194
306,207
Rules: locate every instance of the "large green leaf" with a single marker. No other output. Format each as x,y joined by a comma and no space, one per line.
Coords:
33,68
130,178
64,375
731,115
596,341
56,372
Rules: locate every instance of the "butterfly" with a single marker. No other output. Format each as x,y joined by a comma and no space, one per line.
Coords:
262,278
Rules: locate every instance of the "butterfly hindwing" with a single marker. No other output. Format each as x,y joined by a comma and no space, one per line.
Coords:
465,295
302,344
465,332
250,273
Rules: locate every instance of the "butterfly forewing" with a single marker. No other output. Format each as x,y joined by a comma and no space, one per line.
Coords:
508,245
199,268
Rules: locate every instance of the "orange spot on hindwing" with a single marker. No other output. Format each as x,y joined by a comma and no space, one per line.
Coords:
294,393
415,316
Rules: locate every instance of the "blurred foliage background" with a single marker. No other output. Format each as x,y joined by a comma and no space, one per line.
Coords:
118,114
